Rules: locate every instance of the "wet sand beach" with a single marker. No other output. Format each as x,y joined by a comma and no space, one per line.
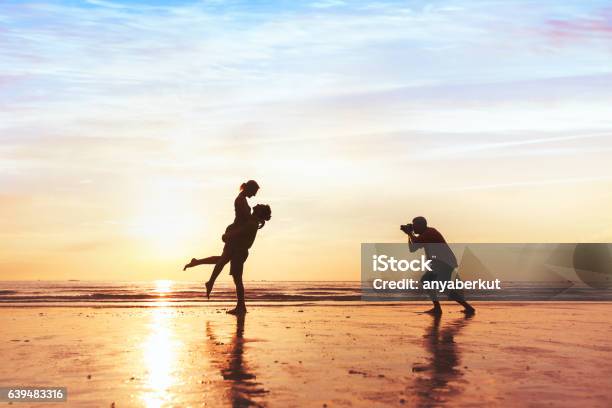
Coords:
362,355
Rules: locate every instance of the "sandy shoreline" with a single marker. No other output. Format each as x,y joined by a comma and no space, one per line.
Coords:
542,354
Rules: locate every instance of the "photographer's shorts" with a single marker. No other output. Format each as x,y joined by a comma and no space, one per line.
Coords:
440,271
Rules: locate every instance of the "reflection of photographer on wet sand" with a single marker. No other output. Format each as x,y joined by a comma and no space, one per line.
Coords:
443,261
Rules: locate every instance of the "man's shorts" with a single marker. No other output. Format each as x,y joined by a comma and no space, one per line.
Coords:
237,259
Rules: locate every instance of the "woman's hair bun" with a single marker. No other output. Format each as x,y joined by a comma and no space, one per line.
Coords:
252,184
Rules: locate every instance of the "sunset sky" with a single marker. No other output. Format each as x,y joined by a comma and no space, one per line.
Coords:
126,129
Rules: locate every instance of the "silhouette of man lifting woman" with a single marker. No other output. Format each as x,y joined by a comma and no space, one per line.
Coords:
238,238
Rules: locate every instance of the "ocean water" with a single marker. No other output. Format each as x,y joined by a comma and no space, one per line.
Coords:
153,292
143,293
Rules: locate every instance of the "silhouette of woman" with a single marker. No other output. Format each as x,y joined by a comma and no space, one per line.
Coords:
242,213
238,241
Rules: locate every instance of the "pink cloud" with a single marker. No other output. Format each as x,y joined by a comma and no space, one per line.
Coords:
6,80
595,26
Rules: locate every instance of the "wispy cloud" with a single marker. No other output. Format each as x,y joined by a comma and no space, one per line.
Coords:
596,25
533,183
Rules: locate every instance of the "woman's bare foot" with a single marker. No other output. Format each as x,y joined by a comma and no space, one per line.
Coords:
209,287
190,264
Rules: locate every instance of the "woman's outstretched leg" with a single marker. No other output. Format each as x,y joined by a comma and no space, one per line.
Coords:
218,261
211,260
221,262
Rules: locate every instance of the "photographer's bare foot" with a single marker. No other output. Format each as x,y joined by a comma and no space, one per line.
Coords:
469,311
435,311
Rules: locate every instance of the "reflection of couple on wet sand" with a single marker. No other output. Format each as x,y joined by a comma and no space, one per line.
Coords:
243,386
238,238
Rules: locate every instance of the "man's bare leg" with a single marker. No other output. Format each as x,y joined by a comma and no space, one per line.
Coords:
236,271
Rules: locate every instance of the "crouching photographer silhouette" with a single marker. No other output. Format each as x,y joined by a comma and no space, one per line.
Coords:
443,261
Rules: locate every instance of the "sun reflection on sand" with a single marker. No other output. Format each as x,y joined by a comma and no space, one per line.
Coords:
163,286
160,359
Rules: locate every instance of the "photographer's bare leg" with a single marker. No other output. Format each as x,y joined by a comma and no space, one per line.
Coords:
458,297
437,309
